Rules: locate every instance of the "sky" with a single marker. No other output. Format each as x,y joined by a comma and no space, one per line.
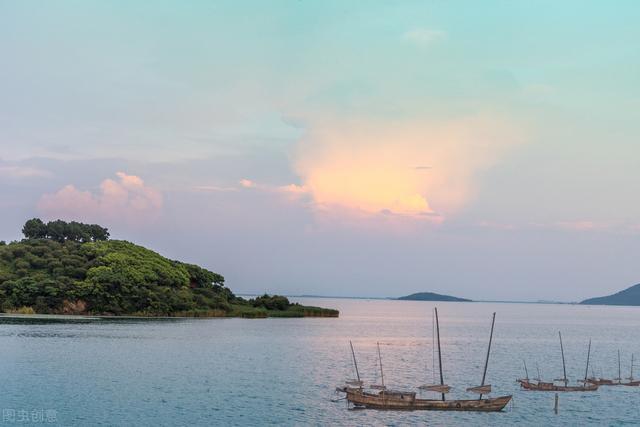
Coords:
487,150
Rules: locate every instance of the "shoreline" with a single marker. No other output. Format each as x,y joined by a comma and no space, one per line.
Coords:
330,313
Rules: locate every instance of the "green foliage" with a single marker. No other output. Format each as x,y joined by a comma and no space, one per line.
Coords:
34,229
61,231
274,302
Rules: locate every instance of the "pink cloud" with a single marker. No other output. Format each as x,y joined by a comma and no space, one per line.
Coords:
126,198
247,183
370,166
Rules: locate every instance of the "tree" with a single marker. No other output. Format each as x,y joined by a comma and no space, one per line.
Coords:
60,231
57,230
34,229
97,232
78,232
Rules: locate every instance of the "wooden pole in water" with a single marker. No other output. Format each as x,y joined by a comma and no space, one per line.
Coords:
355,363
586,372
555,407
381,372
439,350
564,367
486,362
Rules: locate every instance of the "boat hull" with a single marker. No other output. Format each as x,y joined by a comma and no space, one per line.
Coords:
602,382
552,387
409,402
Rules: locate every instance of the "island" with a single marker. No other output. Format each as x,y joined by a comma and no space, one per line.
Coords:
629,296
74,268
431,296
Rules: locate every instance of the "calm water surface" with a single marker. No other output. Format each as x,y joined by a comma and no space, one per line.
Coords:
284,371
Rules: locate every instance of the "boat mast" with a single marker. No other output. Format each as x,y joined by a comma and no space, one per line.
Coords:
381,372
486,362
564,367
538,370
619,373
355,363
526,372
631,377
586,371
439,350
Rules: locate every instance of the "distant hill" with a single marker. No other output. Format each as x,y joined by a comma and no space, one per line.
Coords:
630,296
430,296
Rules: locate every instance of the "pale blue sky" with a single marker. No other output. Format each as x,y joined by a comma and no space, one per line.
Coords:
526,113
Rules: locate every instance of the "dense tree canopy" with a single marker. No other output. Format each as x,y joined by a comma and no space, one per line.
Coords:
62,231
115,277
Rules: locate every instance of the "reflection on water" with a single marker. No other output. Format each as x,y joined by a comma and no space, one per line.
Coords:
284,371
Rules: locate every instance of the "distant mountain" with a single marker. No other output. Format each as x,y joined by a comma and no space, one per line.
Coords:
430,296
630,296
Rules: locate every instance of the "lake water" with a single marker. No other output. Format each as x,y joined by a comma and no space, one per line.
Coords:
284,371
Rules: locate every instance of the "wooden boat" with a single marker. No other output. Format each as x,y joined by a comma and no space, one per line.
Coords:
399,400
547,386
618,380
406,400
605,381
632,382
539,385
601,381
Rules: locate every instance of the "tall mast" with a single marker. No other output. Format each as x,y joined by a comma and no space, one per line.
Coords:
526,373
439,350
355,363
381,372
586,372
486,362
538,370
631,377
619,373
564,368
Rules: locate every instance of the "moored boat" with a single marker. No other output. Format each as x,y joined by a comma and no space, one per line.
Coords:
547,386
632,382
399,400
616,381
540,385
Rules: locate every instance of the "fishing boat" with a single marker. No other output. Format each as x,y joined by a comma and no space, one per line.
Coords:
618,380
632,382
601,381
540,385
605,381
386,399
